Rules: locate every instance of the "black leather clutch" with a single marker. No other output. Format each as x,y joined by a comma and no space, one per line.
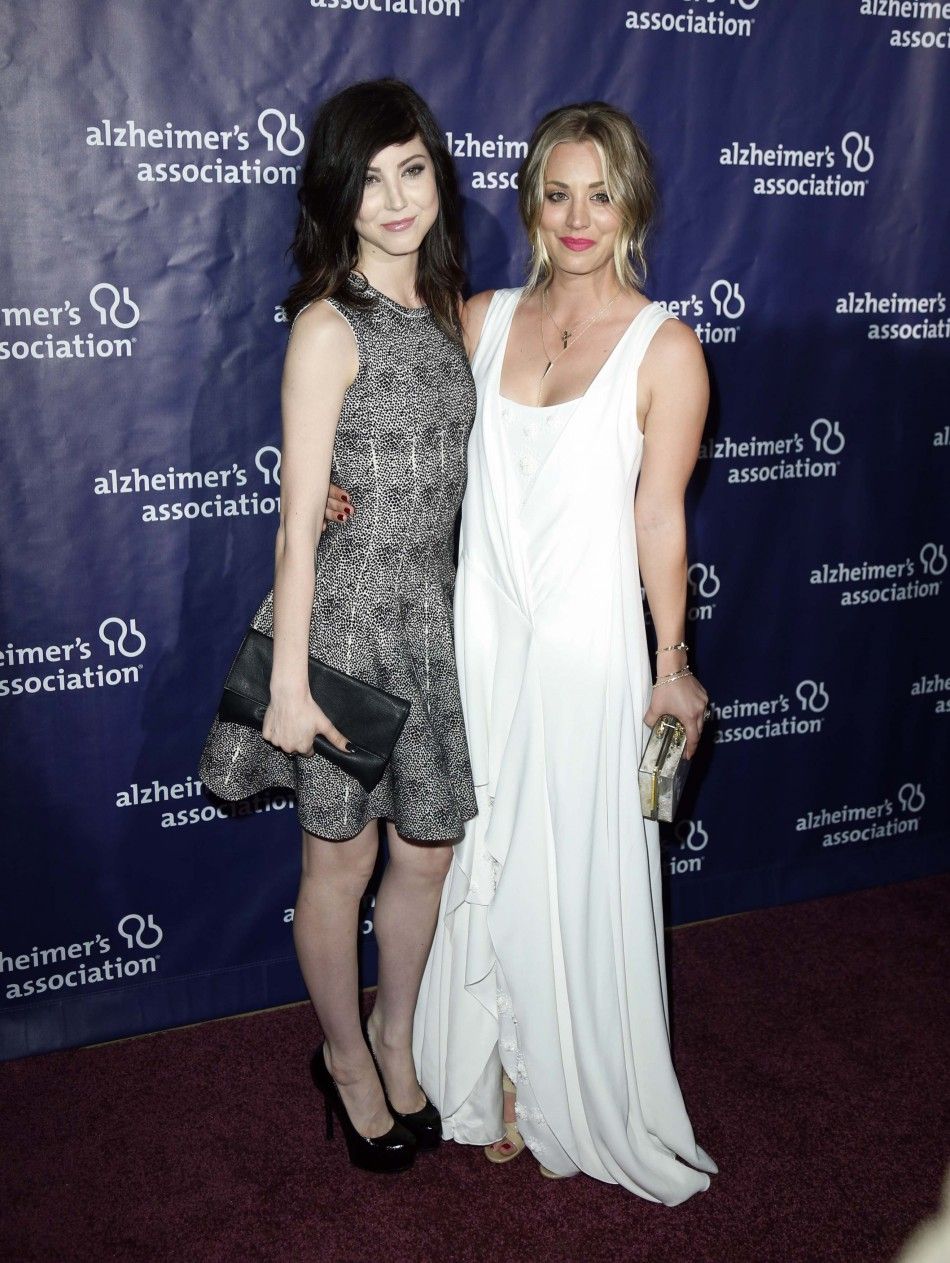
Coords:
369,718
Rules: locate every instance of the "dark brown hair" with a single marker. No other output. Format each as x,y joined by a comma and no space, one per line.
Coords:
349,129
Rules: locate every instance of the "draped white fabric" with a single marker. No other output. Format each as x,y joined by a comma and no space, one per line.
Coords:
548,955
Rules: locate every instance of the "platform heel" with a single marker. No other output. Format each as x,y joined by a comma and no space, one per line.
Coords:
387,1154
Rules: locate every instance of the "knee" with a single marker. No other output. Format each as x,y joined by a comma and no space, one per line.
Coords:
431,863
358,870
344,868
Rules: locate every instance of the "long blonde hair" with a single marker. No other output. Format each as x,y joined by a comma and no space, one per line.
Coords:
628,178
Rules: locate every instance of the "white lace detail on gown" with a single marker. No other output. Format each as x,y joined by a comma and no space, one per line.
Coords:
531,434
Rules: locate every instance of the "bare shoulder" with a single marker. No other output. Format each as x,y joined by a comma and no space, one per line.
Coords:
321,340
477,306
474,312
673,391
322,326
675,352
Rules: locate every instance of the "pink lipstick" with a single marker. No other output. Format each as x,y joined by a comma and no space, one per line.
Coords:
399,225
576,243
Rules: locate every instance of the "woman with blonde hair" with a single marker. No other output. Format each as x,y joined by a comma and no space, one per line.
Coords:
548,959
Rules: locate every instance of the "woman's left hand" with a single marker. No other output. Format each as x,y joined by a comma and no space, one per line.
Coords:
687,700
339,507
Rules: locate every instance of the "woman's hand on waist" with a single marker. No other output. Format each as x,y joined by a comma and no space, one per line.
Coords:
339,507
292,722
685,699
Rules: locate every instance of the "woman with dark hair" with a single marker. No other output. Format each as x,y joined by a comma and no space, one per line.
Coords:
377,390
548,960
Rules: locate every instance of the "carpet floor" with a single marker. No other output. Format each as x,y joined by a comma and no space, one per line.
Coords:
810,1043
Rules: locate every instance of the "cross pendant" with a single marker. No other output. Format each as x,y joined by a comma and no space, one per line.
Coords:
564,337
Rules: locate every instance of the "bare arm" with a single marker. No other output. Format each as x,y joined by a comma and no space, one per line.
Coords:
678,397
320,364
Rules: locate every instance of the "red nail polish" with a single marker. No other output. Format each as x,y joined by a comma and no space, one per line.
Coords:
344,497
340,517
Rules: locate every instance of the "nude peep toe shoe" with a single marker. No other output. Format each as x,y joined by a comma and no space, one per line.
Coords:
512,1143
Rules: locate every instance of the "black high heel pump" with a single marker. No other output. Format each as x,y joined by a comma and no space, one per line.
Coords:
425,1124
385,1154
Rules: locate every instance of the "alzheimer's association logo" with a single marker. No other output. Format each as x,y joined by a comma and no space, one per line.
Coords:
911,797
61,330
704,584
858,154
827,436
139,931
280,131
812,696
114,306
267,460
121,637
933,559
686,849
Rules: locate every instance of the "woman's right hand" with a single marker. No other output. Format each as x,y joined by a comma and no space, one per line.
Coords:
292,724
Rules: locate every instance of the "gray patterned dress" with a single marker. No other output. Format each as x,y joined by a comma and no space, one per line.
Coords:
382,606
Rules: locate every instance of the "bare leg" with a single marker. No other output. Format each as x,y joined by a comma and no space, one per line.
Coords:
333,878
404,920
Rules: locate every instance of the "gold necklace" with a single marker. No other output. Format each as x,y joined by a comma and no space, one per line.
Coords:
566,334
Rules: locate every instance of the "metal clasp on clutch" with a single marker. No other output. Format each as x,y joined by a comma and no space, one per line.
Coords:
663,769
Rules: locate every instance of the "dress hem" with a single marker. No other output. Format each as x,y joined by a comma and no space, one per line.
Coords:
336,835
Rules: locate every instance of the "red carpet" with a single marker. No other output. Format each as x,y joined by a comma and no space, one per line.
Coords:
809,1044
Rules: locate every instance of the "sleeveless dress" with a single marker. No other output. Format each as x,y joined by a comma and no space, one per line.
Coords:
548,955
382,608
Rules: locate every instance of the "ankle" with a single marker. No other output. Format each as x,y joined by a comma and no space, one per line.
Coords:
348,1068
388,1038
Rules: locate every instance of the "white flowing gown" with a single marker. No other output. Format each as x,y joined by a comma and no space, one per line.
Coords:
548,956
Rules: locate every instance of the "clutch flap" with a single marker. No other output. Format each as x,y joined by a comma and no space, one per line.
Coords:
250,671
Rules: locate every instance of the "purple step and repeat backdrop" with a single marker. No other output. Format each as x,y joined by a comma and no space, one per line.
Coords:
149,165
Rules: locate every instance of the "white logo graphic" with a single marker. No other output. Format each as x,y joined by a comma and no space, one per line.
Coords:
92,960
691,834
812,695
702,579
110,315
911,797
858,154
806,172
136,936
286,123
899,317
933,558
368,909
125,630
827,436
701,19
688,836
726,299
267,461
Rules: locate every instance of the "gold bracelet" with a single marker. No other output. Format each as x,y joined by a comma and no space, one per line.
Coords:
669,648
673,675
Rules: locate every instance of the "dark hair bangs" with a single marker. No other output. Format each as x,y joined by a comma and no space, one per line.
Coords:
349,129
